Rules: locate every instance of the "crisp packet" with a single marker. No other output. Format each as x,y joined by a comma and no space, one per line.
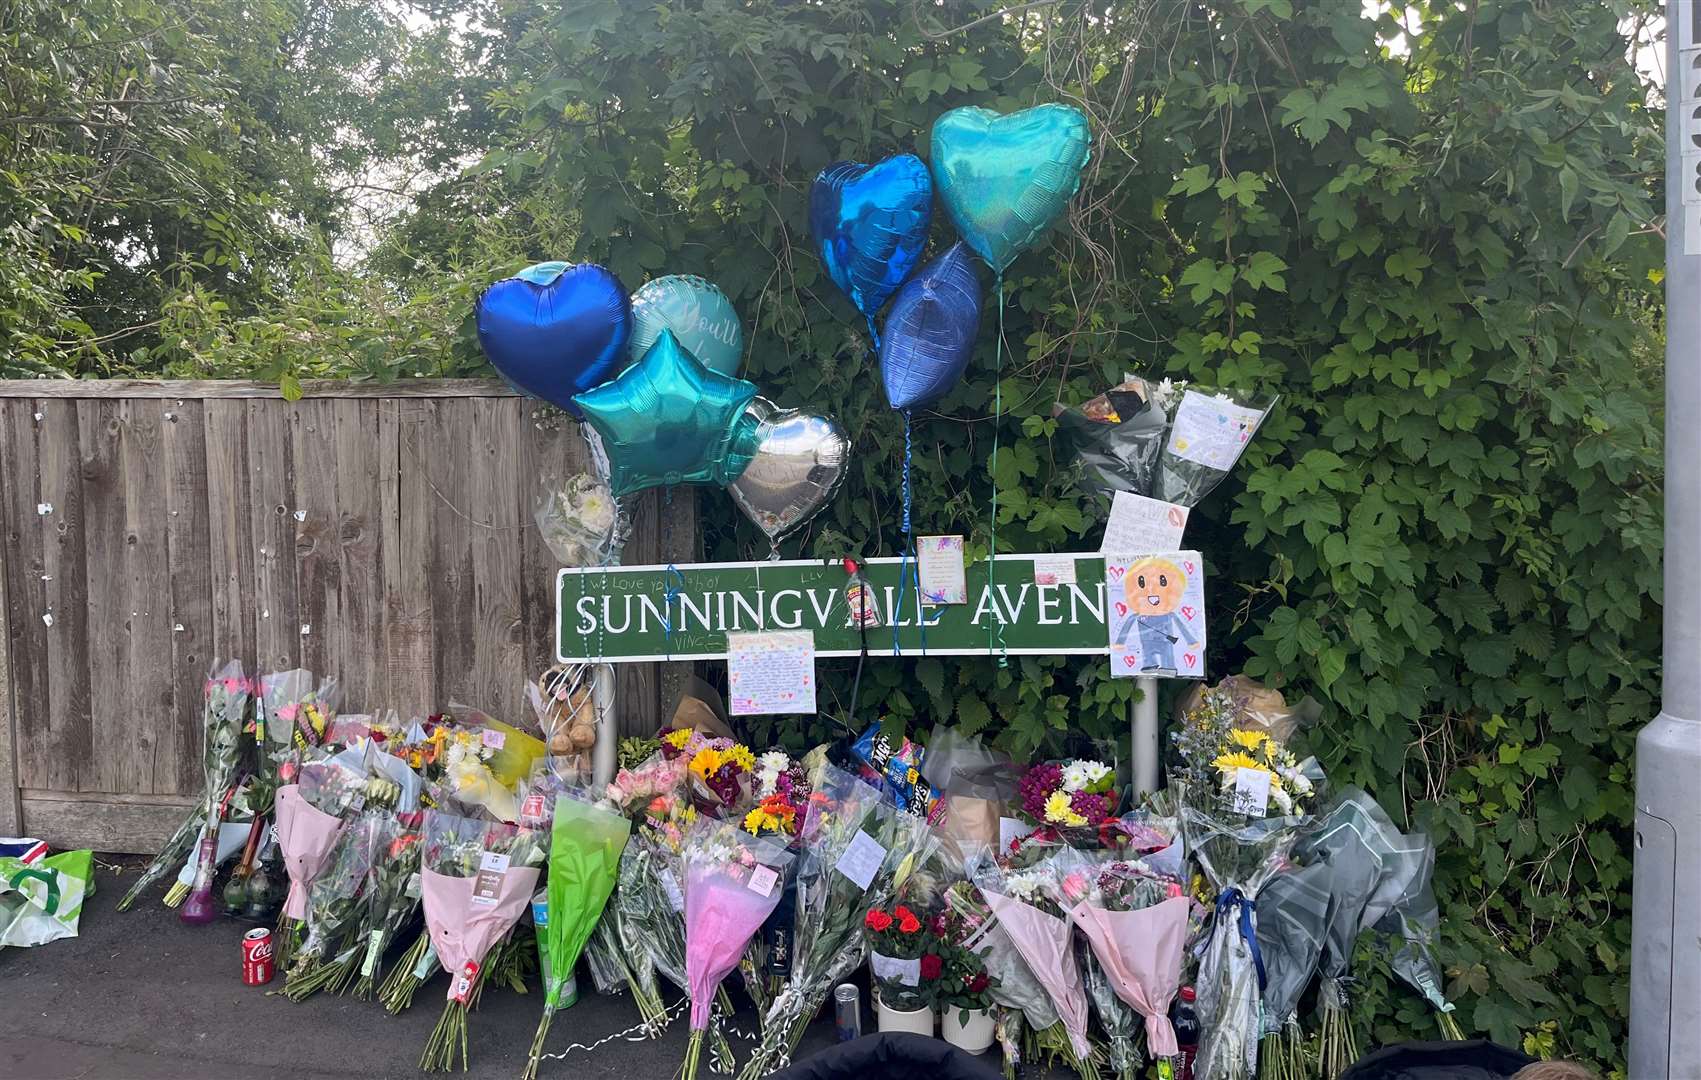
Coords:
897,769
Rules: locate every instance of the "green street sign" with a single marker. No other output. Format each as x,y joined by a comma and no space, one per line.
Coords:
628,614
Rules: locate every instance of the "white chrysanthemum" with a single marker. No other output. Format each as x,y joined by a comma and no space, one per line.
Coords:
1075,776
1282,800
1095,770
596,510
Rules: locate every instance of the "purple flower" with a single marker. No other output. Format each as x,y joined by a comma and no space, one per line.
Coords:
1092,807
1037,785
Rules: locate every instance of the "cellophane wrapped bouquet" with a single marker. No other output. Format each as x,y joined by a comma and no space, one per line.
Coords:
854,850
781,788
732,883
1023,1003
225,697
616,950
1244,802
310,818
392,894
580,521
336,906
1074,800
584,860
1020,890
477,879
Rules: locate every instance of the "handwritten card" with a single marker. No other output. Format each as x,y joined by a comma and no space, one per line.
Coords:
861,859
1251,792
939,569
1138,525
1054,570
1156,615
1212,431
771,672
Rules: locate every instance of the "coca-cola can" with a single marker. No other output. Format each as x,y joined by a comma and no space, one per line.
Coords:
257,957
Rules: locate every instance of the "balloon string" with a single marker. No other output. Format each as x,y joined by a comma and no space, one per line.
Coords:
874,333
995,631
909,545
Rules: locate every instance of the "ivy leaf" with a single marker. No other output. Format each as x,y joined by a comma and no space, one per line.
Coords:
1264,271
1207,277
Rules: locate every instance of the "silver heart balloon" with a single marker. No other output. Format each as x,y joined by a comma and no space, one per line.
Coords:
799,464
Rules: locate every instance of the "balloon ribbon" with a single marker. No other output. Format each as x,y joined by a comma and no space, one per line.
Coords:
1229,899
995,630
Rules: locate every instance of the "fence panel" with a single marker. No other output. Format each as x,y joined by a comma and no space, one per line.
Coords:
378,533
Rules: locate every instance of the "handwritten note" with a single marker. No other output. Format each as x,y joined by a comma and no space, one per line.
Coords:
771,672
861,859
1212,431
939,569
1054,570
1251,791
1156,615
1139,525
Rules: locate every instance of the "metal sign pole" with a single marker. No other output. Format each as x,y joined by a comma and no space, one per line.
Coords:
1145,742
1665,956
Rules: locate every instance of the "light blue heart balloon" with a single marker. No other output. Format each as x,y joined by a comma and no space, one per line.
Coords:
1005,179
699,314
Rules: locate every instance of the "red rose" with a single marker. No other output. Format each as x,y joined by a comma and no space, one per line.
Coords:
978,982
908,923
877,920
931,967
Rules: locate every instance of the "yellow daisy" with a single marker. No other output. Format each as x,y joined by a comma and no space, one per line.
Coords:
1250,740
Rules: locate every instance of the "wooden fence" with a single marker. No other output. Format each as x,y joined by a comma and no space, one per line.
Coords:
381,534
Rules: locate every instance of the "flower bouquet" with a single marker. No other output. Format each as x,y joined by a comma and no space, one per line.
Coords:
224,703
781,785
1231,778
477,879
966,988
1135,923
1021,900
1414,916
732,883
584,858
579,521
336,905
392,892
615,952
1074,799
719,768
896,948
309,820
854,851
292,716
1293,916
1021,998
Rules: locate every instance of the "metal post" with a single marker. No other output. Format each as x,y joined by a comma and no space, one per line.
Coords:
605,752
1146,755
1665,953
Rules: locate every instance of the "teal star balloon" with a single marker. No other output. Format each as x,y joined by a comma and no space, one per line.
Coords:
668,419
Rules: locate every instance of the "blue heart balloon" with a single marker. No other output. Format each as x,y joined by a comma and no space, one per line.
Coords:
1005,179
669,420
870,224
556,330
930,331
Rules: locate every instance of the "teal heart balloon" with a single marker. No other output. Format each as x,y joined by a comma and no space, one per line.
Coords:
698,313
1005,179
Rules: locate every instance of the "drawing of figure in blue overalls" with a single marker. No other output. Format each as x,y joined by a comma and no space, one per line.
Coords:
1154,588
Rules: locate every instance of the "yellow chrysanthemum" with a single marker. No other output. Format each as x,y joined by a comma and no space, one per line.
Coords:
1058,810
741,756
678,738
1251,740
1236,760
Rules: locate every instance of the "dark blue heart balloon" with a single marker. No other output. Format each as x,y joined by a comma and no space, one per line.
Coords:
930,331
556,330
870,224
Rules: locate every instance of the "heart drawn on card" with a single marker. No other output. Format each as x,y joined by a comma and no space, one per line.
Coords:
1189,659
1121,608
1118,571
1187,612
1187,566
1128,659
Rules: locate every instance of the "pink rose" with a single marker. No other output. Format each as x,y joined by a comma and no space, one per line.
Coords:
1074,888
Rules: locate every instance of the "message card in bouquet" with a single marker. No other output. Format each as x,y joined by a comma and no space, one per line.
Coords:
1156,615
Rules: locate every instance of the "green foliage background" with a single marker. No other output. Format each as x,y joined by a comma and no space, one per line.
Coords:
1433,231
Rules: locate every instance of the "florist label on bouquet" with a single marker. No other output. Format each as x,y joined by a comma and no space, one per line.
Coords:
771,673
629,614
487,886
762,881
1157,615
861,859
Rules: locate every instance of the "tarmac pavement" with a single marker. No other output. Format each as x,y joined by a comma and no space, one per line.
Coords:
139,995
